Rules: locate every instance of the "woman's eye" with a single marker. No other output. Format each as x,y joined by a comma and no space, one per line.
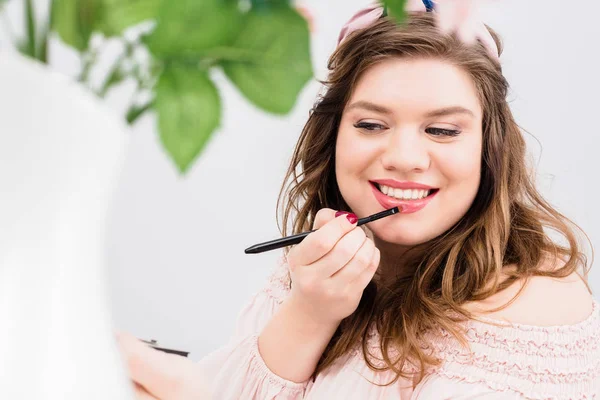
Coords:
369,126
442,132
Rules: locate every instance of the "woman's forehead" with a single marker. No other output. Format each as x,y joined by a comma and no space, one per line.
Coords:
416,85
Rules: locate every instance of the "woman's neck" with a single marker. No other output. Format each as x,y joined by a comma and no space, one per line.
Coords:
390,264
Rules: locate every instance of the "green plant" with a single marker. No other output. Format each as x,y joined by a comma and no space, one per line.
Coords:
395,8
263,47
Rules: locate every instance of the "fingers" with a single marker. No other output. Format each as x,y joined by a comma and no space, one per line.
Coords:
324,215
319,243
362,259
363,279
159,373
344,252
142,394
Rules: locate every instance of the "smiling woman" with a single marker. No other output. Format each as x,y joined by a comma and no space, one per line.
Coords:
416,119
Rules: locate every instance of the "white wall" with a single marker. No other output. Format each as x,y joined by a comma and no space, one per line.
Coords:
178,273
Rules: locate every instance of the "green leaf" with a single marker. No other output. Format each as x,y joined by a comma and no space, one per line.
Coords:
273,80
74,20
187,28
396,8
136,111
119,15
257,4
189,110
31,28
42,50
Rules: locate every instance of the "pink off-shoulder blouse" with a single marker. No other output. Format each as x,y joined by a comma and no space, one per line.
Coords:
512,361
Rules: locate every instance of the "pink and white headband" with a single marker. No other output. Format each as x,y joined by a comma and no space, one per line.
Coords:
452,15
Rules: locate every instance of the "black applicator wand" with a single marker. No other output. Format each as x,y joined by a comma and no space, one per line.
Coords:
295,239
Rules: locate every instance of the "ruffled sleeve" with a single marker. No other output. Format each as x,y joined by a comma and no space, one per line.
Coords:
514,361
237,371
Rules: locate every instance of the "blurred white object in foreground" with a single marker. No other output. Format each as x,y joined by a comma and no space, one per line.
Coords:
60,154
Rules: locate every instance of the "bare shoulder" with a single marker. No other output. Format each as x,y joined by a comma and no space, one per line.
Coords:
543,302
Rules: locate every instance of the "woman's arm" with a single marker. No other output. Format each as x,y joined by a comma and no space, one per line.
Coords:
292,342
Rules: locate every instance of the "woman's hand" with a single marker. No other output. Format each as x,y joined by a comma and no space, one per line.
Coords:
161,376
331,267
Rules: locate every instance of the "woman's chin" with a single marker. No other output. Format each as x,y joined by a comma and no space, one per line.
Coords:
407,239
409,231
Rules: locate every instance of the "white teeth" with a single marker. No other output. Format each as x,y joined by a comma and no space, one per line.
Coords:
406,194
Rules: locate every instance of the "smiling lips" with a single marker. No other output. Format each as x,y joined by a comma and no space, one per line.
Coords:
410,196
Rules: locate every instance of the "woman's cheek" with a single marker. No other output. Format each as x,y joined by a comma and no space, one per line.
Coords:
461,162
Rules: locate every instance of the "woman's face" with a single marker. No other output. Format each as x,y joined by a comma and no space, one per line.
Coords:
410,136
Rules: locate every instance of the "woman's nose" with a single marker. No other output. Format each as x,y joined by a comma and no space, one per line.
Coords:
405,151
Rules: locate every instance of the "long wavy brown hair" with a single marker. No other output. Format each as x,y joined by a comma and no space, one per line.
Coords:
507,224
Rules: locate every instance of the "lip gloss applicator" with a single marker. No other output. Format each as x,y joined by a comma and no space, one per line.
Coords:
295,239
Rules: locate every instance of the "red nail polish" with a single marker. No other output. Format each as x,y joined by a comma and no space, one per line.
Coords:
337,214
352,218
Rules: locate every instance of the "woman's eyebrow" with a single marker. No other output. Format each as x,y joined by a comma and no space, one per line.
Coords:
366,105
441,112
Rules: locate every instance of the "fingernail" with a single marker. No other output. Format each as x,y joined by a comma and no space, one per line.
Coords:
352,218
337,214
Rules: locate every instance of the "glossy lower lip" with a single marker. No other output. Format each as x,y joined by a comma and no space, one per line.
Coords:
407,206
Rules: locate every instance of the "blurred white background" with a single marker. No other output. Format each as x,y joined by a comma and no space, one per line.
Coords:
177,270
